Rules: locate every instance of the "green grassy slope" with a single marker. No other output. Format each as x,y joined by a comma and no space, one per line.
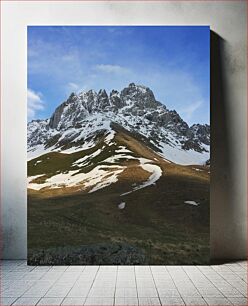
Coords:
155,222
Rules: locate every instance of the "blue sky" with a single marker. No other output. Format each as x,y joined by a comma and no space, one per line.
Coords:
173,61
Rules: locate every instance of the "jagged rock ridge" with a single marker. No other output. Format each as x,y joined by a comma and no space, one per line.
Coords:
78,121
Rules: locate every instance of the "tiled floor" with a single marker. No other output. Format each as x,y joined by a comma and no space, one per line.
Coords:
123,285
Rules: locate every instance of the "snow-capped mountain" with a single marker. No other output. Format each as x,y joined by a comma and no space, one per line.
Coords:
83,119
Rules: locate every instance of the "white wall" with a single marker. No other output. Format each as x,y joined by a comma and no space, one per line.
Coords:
228,93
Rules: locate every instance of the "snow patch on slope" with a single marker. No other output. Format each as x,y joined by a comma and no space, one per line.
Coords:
191,203
38,151
155,171
123,150
32,178
106,178
183,157
99,177
85,160
116,158
122,205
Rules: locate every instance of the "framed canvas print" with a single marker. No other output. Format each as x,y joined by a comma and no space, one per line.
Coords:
118,145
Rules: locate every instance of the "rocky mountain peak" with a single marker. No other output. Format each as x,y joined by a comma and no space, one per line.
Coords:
114,93
115,100
103,99
102,92
135,97
134,108
138,96
201,132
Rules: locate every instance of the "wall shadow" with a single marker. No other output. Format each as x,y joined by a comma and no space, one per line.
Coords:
222,208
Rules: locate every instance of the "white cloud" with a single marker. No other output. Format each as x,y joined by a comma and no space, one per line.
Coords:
111,69
35,103
73,86
188,111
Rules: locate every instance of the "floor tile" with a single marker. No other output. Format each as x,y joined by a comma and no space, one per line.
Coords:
210,292
126,275
126,292
194,301
108,269
125,269
230,292
99,301
75,269
73,301
5,301
59,268
145,283
164,292
27,301
189,293
126,285
58,291
50,301
149,301
42,269
166,301
79,291
103,283
13,292
217,301
158,269
33,276
147,292
164,283
120,301
38,290
102,292
239,301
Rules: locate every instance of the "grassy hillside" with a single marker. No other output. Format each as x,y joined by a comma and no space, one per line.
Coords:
155,227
